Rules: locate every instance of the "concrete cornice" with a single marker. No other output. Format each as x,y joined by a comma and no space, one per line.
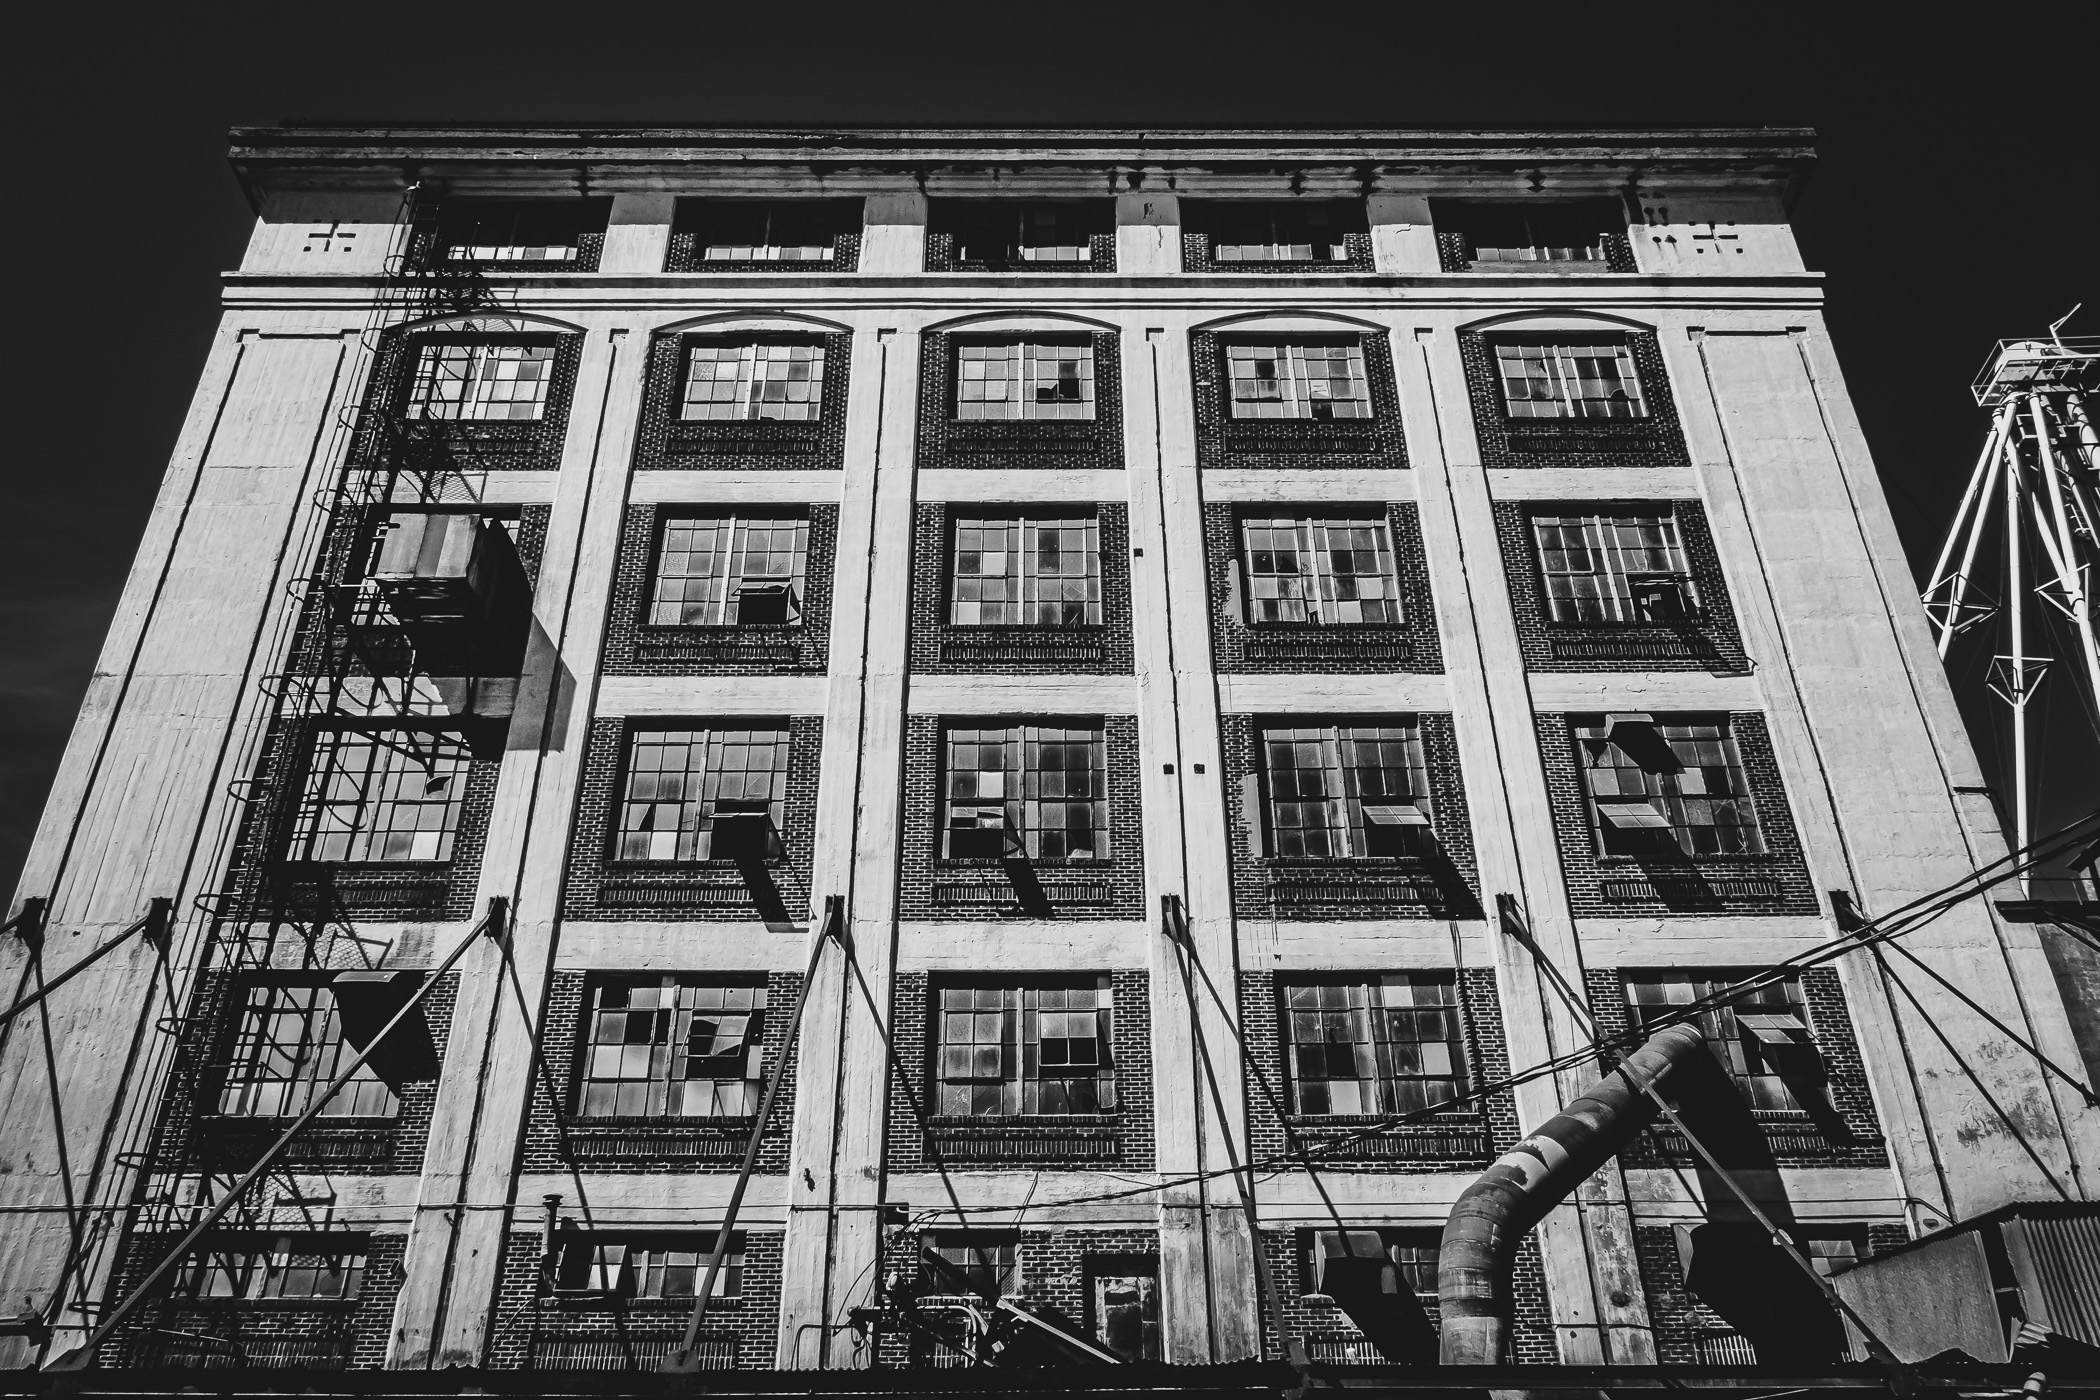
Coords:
847,160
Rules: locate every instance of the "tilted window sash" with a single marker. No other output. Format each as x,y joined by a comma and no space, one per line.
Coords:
1654,785
1323,783
679,780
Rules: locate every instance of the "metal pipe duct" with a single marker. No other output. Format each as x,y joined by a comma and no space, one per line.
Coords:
1480,1239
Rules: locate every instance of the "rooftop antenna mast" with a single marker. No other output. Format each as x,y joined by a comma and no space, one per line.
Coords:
2030,520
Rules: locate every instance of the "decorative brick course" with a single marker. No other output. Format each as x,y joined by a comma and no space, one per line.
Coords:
324,1334
1438,885
776,890
1598,884
1464,1139
1120,1140
387,437
1707,642
1280,443
932,886
192,1136
634,646
1840,1132
946,441
666,442
557,1139
536,1329
941,648
1411,646
1654,441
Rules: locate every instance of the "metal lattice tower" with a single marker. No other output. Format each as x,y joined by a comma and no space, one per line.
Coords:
2030,522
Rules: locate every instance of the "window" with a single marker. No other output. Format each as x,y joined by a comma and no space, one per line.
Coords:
1008,232
1761,1038
382,795
1669,787
287,1049
481,382
988,1260
1034,790
780,380
1614,568
1412,1252
1337,792
669,1265
673,1047
1025,1050
1025,380
1541,233
1297,232
523,231
765,230
1029,571
1570,381
1124,1297
703,794
1379,1044
1327,572
729,571
1320,381
286,1267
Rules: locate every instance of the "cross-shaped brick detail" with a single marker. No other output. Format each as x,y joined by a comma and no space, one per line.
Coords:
327,240
1715,237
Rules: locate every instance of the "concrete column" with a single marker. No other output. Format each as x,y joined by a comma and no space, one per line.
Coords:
893,235
1148,233
1403,237
638,236
1707,235
326,234
454,1255
1592,1282
1210,1306
842,1097
171,712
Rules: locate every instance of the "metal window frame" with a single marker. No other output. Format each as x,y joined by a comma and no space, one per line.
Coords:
1557,356
244,1080
1294,381
429,350
319,821
1022,1075
670,1048
1030,351
1313,545
1616,597
1762,1083
1016,739
1023,576
623,1257
1385,1078
1340,779
693,844
1663,790
726,585
748,404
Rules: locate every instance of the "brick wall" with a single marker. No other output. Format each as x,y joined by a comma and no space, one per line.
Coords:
934,887
1654,441
533,1328
1118,1140
1463,1139
191,1134
1840,1131
558,1140
599,887
938,648
1776,882
1412,645
665,442
634,646
1439,885
1272,443
1708,642
1055,445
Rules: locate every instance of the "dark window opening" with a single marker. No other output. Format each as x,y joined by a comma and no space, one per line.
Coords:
1517,235
1308,231
730,571
1339,792
1761,1038
657,1265
1008,235
1009,1051
1618,568
1033,790
765,231
673,1047
521,231
1382,1044
1674,787
307,1266
703,794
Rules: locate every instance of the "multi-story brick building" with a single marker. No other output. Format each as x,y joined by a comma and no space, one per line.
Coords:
1443,569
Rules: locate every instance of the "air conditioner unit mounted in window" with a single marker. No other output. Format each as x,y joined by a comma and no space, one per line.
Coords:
741,829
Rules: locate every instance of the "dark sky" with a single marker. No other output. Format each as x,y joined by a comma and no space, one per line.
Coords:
1953,204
